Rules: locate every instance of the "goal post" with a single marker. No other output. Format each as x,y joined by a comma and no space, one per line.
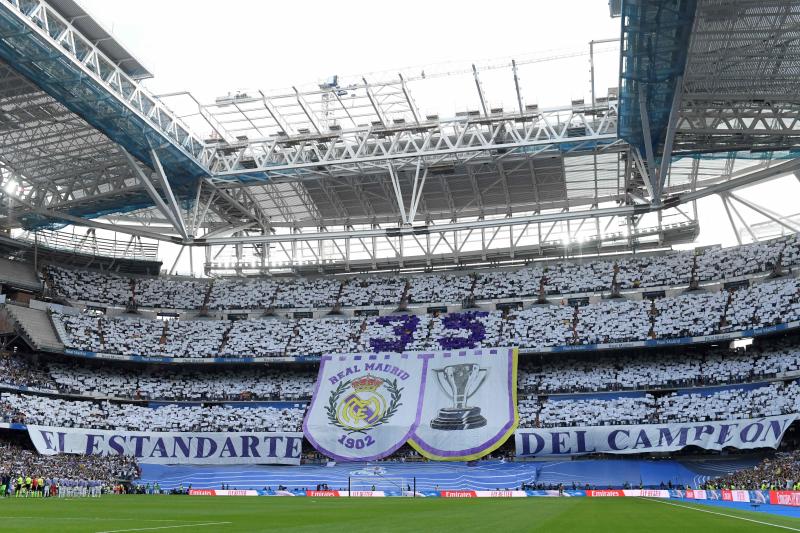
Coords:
392,486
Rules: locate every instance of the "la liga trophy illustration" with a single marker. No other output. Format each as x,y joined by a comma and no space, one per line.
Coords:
460,383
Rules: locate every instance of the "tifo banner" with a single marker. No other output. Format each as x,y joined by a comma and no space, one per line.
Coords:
172,447
450,405
470,404
742,434
365,407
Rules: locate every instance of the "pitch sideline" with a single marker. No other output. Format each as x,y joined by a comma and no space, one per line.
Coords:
721,514
203,524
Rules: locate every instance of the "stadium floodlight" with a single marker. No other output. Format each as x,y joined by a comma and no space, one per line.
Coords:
11,186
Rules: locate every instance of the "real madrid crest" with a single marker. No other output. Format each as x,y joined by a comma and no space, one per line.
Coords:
363,403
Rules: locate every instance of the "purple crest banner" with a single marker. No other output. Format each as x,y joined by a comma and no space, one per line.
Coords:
450,405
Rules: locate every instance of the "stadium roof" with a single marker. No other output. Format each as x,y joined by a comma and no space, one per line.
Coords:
709,83
96,34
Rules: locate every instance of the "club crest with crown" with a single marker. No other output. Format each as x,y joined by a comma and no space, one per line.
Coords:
360,404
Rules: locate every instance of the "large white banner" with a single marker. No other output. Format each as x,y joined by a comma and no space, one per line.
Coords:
742,434
172,447
470,404
365,407
451,405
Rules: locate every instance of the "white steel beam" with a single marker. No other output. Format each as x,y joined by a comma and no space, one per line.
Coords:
724,199
480,91
773,216
312,117
411,105
416,193
666,153
649,168
740,217
276,115
398,195
154,194
375,104
78,221
516,86
369,148
172,203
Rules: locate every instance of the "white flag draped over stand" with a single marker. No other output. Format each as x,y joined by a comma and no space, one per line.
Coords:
453,406
470,404
366,406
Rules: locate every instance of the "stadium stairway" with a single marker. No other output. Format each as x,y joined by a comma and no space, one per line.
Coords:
36,327
483,475
19,274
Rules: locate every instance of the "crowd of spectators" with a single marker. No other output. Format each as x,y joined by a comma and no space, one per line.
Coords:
713,384
147,383
771,399
694,405
61,472
51,411
780,472
545,375
540,326
660,370
677,268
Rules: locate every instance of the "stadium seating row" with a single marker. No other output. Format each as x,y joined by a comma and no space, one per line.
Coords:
728,404
541,376
678,268
691,406
617,320
49,411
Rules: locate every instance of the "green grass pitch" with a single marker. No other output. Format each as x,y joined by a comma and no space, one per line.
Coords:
242,514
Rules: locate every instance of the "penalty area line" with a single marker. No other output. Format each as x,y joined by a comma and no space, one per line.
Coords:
202,524
721,514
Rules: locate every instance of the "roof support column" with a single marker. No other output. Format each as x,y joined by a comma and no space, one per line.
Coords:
666,154
399,195
172,203
730,218
773,216
649,167
153,192
416,191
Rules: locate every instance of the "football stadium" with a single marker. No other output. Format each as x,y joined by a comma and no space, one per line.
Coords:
553,290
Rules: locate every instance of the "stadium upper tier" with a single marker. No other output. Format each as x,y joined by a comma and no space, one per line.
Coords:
600,374
691,314
674,269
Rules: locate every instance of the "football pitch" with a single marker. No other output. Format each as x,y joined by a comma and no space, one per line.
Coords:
118,514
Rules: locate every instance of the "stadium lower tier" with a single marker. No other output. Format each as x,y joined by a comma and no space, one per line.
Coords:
485,475
18,460
540,327
759,471
750,401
